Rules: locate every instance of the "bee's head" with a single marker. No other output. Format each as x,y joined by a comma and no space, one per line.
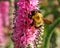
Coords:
33,13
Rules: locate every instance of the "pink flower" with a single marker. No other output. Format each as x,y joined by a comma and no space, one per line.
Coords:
2,38
4,8
4,20
24,33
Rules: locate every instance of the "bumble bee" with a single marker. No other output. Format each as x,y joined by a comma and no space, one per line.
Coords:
38,19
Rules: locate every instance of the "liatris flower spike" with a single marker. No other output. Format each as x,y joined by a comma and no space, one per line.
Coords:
26,32
4,21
